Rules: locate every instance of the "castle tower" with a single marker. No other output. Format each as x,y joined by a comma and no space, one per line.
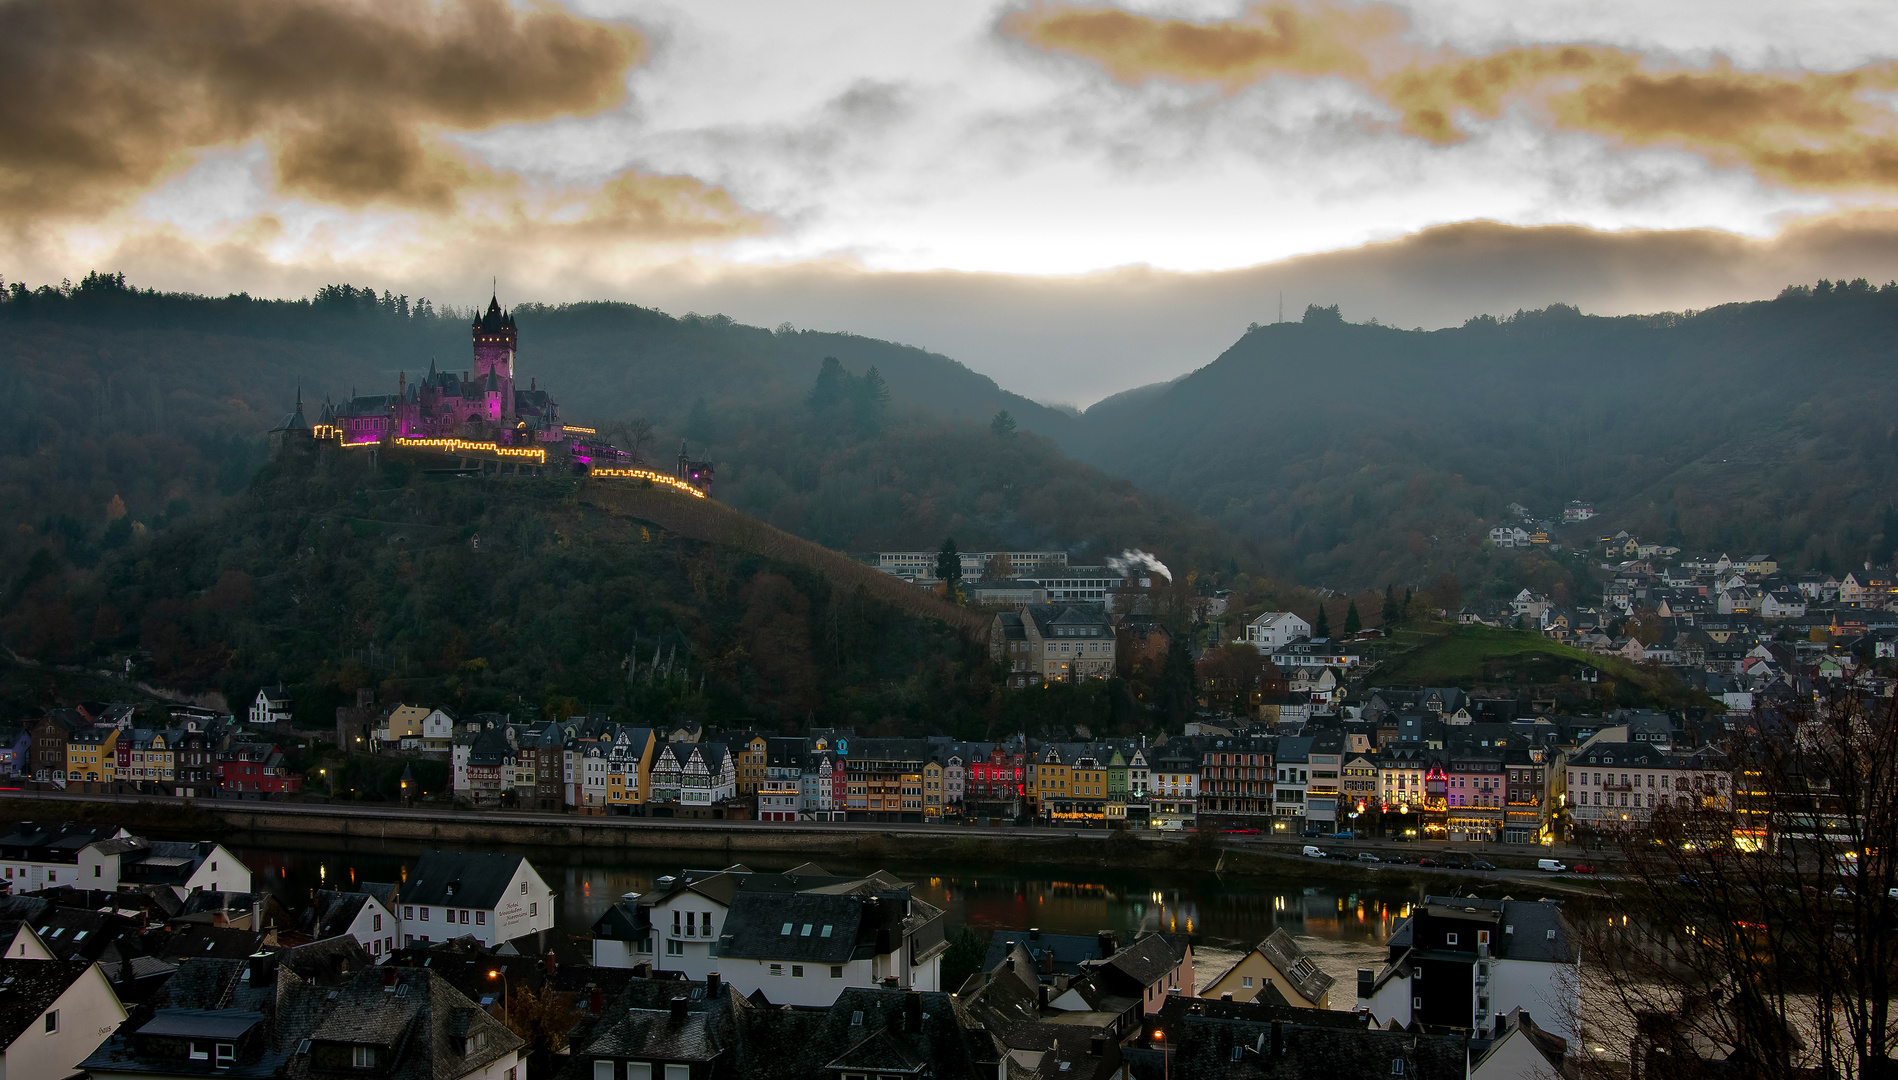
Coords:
494,342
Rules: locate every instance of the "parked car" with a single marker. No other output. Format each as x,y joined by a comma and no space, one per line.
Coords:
1345,835
1581,868
1426,861
1453,864
1365,856
1313,853
1482,864
1688,880
1335,853
1399,860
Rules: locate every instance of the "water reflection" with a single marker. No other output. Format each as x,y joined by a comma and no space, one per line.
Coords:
1218,910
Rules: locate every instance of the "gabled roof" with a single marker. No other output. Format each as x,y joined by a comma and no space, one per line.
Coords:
470,879
28,988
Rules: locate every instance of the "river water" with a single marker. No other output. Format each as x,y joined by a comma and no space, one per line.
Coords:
1342,924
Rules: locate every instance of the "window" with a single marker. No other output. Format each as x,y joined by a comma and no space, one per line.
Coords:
856,1018
797,971
675,947
533,910
1449,939
199,1052
1397,1066
836,971
786,932
362,1057
523,888
678,1072
602,1070
378,926
424,914
50,1023
226,1054
1237,1051
481,918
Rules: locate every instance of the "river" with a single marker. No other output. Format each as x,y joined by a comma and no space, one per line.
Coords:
1342,925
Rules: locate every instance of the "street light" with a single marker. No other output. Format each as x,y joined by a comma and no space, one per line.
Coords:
1166,1055
501,974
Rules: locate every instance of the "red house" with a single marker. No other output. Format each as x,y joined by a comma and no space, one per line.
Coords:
255,770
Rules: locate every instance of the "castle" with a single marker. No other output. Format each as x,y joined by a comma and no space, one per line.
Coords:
481,416
483,404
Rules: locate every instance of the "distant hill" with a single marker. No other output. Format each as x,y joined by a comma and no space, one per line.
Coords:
1356,455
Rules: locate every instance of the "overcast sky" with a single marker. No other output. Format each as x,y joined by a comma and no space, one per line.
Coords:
1073,198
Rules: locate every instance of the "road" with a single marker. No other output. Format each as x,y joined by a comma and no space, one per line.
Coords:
1270,846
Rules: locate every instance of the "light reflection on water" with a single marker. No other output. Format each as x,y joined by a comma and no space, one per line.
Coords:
1216,910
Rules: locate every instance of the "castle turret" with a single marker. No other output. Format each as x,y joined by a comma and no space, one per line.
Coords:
495,338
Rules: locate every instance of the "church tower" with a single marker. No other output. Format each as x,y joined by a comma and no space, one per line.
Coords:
494,341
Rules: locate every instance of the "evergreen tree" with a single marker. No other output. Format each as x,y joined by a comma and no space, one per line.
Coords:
1003,424
833,384
1321,628
870,396
1352,622
1392,614
1177,689
949,568
698,424
1408,595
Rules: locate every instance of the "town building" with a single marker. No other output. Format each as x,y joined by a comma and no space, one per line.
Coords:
1277,962
53,1015
1054,643
494,898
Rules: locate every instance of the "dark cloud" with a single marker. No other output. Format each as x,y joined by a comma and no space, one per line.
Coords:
1801,129
100,99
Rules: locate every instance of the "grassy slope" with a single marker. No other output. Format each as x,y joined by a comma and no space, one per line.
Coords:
712,521
1473,655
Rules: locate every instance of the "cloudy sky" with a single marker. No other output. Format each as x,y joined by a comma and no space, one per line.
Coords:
1073,198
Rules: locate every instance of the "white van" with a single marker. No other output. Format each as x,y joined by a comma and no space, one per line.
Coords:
1313,853
1551,865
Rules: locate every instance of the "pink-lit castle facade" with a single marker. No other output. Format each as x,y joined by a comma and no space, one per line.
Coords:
484,401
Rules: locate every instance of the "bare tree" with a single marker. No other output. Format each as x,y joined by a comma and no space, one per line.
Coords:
1759,932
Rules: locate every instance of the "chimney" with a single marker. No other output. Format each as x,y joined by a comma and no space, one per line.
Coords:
1278,1040
263,968
913,1012
712,983
1034,933
388,978
1367,983
1041,996
548,962
678,1010
889,982
596,1000
1106,938
1097,1045
1047,961
256,912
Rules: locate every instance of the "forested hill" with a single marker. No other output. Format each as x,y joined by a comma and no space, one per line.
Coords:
136,409
1360,454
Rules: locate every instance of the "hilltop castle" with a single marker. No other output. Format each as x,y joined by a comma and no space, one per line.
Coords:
482,418
483,404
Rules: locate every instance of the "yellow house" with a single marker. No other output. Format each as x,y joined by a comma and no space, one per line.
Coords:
748,761
932,789
629,767
402,722
92,755
1277,962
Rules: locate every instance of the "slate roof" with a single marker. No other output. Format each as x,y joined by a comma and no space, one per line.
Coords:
1532,920
332,913
28,987
824,928
419,1020
1070,950
1278,1041
469,879
1290,960
1149,959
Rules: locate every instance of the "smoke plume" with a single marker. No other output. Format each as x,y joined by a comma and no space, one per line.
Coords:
1133,559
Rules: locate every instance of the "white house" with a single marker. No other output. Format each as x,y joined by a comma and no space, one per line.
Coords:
674,927
56,1014
271,707
183,866
1509,536
1276,629
491,897
1464,962
693,774
1578,511
352,914
804,948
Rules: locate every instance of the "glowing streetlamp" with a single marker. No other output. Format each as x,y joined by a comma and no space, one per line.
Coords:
501,974
1166,1055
